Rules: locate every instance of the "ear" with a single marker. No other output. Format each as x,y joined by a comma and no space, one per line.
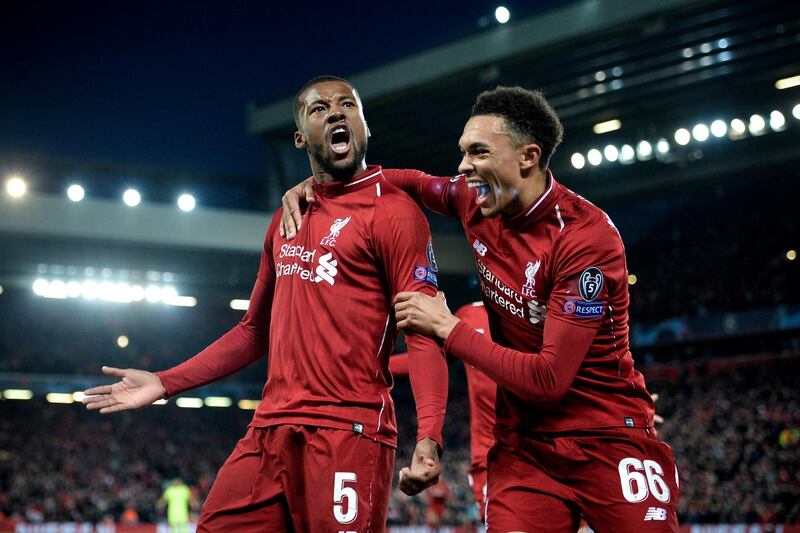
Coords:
369,133
529,156
299,140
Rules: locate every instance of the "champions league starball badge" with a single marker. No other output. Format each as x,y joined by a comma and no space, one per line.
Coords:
590,283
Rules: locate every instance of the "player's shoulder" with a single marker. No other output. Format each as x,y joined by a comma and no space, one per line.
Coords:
392,198
585,225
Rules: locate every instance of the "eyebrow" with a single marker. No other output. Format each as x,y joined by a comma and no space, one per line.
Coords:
475,145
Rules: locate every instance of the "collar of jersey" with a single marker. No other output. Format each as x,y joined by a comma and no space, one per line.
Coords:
373,174
538,207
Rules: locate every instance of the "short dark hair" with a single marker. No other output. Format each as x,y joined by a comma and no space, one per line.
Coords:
298,98
530,119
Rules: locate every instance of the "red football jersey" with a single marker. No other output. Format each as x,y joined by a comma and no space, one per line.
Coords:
482,391
560,266
325,299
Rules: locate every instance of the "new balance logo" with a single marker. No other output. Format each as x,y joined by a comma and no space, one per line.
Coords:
479,247
655,513
326,270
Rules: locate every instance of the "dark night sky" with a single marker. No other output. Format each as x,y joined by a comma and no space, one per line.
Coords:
166,84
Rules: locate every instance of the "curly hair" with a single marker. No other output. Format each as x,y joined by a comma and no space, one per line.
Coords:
528,116
298,98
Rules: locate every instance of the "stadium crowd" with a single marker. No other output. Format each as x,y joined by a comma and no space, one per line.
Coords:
735,434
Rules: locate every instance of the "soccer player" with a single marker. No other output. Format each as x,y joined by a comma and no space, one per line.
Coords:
177,497
574,421
319,453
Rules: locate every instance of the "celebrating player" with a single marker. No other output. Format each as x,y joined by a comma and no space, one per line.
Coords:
319,453
574,419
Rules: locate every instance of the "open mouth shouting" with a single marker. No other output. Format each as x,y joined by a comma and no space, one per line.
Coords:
339,137
482,190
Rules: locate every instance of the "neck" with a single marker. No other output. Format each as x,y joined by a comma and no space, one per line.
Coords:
533,186
323,175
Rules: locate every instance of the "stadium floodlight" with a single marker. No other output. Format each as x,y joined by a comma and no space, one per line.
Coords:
189,403
662,146
757,125
796,111
132,198
78,396
502,14
152,294
162,401
90,289
611,152
240,305
791,255
123,341
632,279
719,128
607,126
1,289
218,401
578,161
595,157
60,397
248,405
17,394
682,136
183,301
75,192
738,128
16,187
787,83
777,121
644,150
73,289
40,287
627,154
137,293
700,132
186,202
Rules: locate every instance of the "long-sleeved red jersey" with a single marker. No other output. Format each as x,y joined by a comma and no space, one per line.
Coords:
555,285
322,307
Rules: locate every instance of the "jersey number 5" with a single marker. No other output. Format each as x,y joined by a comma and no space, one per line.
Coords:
345,499
635,485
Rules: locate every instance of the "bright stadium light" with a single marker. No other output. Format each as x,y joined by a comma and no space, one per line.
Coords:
777,121
626,154
152,294
17,394
1,289
607,126
182,301
611,152
137,293
682,136
578,161
632,279
189,403
60,397
719,128
123,341
796,111
78,396
162,401
738,128
700,132
644,150
132,198
248,405
787,83
186,202
757,125
502,14
218,401
16,187
75,192
73,289
662,146
791,255
90,289
239,305
40,287
595,157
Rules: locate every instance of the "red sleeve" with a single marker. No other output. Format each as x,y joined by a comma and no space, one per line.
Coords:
439,194
246,342
543,377
402,239
588,262
398,365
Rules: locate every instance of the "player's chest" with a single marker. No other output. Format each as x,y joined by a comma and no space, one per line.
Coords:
331,246
514,272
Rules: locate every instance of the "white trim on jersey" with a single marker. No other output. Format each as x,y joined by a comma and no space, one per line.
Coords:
560,220
383,339
532,209
365,178
378,189
380,415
